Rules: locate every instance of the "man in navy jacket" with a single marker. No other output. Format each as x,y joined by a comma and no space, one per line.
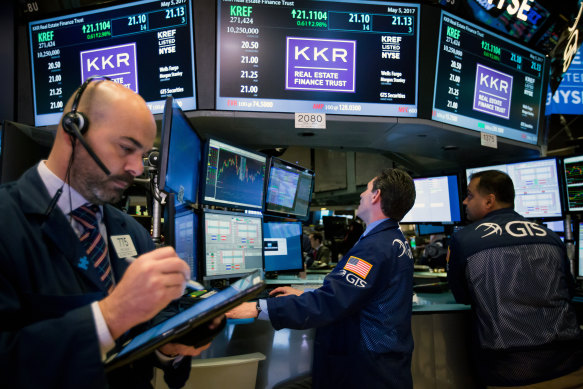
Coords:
57,319
362,312
515,274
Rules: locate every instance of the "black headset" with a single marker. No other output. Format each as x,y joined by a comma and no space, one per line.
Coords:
76,123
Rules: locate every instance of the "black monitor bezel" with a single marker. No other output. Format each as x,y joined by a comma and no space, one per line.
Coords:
204,170
171,210
207,211
458,202
170,108
283,271
39,138
565,191
287,215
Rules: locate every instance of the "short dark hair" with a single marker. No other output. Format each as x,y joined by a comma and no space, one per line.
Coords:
397,192
317,236
497,183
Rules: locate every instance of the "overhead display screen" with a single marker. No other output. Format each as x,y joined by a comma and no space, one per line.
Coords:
146,46
487,83
337,57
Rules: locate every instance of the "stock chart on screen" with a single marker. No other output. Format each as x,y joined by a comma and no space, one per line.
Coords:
573,167
234,176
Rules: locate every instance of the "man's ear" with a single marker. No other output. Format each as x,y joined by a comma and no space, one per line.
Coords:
376,196
491,200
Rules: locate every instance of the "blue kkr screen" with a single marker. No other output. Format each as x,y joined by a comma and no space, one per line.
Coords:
146,46
487,83
337,57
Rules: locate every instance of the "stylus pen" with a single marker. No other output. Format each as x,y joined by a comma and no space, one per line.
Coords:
193,284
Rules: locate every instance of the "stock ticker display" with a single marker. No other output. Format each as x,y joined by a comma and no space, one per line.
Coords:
342,57
573,167
487,83
146,46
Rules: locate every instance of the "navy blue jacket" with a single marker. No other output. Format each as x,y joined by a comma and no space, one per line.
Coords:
362,313
47,331
515,274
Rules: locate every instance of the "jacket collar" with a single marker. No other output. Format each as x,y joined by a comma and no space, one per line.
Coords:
35,199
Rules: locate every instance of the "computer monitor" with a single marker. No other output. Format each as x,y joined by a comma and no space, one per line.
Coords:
573,173
282,246
557,226
536,184
146,45
181,232
437,200
233,244
349,57
22,147
180,154
289,190
234,177
429,229
579,243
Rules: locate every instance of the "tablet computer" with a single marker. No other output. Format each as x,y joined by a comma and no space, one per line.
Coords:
206,309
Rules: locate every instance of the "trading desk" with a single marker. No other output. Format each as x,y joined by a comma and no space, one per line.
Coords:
440,330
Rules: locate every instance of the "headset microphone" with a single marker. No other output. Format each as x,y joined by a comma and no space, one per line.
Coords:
76,123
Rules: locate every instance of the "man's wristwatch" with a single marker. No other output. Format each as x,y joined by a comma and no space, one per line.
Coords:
258,307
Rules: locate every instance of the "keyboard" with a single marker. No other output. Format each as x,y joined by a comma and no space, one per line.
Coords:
264,294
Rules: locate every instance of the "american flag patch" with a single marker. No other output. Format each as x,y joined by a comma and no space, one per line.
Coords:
358,266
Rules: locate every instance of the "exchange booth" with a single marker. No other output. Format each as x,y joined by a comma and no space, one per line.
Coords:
435,87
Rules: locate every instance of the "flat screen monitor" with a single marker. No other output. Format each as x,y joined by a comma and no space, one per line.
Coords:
329,56
233,244
233,177
536,185
289,189
579,243
573,170
282,246
487,83
185,239
437,201
22,147
557,226
180,154
145,45
429,229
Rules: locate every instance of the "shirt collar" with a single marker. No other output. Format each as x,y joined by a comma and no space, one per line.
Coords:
372,225
53,183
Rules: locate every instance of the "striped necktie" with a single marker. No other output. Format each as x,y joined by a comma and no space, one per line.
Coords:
93,242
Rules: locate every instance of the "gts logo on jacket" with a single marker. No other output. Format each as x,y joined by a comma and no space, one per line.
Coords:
517,229
404,247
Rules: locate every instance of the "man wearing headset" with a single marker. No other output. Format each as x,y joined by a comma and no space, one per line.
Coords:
58,319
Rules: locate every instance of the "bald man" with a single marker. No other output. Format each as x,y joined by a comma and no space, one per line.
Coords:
60,314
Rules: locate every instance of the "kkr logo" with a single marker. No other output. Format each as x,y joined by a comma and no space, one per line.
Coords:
116,62
405,249
517,229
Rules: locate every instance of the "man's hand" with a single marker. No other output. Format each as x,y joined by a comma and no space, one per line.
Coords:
149,284
175,349
243,311
281,291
